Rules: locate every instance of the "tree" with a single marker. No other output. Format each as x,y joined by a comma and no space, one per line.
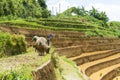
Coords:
6,8
24,8
99,15
81,11
11,6
45,13
103,17
42,3
94,12
1,9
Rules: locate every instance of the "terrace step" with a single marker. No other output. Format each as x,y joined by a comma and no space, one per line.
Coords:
87,65
117,78
112,74
89,54
101,73
94,68
89,62
89,57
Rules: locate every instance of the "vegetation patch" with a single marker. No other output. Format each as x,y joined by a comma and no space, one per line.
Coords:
35,25
66,69
24,73
92,28
19,67
11,44
23,9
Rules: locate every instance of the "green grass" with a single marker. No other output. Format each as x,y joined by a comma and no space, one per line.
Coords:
24,73
34,25
58,74
66,69
20,66
65,23
92,27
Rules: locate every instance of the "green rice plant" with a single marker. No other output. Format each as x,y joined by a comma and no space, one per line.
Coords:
91,26
34,25
66,25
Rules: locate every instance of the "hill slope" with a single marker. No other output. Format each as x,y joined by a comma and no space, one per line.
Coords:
89,27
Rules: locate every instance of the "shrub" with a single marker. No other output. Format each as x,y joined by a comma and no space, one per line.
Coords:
16,74
11,44
9,17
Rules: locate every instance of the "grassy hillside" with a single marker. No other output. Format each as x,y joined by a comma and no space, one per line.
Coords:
20,67
90,26
114,26
54,24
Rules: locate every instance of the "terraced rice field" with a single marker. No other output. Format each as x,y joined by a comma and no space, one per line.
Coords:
98,58
100,65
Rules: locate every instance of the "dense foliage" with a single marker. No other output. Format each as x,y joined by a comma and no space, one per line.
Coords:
24,8
73,11
11,44
99,15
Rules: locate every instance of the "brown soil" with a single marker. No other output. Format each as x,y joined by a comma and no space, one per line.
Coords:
95,56
117,78
40,32
92,69
87,65
112,74
101,73
99,67
89,54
